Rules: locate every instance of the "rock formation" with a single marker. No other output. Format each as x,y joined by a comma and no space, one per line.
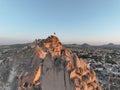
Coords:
47,65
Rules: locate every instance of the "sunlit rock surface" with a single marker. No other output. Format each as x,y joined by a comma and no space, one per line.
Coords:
45,65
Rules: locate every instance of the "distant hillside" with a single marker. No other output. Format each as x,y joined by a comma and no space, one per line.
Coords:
85,45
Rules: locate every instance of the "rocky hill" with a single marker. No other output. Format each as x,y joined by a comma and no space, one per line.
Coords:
44,65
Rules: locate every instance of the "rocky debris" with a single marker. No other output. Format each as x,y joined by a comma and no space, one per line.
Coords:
111,72
47,65
105,62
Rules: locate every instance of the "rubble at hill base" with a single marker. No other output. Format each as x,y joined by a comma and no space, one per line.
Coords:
45,65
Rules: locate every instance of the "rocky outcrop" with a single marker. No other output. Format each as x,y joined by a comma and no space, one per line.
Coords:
47,65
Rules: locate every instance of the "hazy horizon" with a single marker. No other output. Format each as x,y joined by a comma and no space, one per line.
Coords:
95,22
16,41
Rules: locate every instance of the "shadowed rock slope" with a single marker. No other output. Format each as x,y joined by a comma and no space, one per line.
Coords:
46,65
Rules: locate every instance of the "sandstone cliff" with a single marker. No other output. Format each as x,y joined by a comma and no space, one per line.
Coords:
47,65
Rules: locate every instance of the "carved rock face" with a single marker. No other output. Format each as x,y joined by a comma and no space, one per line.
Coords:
50,66
40,52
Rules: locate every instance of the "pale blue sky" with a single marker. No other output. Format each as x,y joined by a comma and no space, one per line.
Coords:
74,21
